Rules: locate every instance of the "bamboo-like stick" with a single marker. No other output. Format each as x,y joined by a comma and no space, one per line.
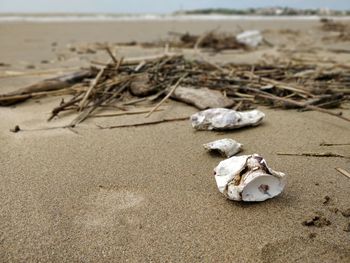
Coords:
168,95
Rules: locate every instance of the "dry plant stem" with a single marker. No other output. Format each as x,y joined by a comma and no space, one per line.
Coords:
121,113
344,172
201,39
140,65
278,84
333,144
56,110
168,95
300,104
238,105
13,74
311,154
144,123
110,53
69,127
92,86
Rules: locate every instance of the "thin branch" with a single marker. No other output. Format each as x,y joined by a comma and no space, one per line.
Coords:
168,95
344,172
143,123
311,154
300,104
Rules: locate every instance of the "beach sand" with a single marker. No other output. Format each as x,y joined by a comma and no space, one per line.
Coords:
148,194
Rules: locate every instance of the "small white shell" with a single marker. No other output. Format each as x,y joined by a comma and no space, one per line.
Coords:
225,119
250,38
248,178
226,147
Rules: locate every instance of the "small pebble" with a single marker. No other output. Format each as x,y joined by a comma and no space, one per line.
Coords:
346,212
347,228
312,235
15,129
326,200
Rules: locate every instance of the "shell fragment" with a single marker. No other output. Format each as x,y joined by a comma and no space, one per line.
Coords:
226,147
248,178
225,119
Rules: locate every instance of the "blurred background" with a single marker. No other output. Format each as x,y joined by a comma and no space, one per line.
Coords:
156,6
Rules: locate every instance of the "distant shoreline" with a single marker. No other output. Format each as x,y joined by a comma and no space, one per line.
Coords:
47,18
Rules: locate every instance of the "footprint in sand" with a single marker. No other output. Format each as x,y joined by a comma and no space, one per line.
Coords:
109,206
304,250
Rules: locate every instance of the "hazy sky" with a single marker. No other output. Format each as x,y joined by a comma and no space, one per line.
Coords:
154,6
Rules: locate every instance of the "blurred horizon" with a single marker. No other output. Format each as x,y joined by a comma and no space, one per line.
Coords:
155,6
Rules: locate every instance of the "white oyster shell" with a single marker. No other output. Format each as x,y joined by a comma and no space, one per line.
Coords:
226,147
225,119
248,178
250,38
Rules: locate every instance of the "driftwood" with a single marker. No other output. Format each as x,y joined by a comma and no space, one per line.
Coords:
48,85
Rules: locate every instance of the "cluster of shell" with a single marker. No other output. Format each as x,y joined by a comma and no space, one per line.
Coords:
240,178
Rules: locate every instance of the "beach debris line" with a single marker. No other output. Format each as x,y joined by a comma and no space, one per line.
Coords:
226,147
338,31
131,81
211,40
248,178
225,119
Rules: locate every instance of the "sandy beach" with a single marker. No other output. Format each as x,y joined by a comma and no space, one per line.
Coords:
148,194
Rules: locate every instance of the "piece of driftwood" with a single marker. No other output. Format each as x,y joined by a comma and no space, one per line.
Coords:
202,98
48,85
172,89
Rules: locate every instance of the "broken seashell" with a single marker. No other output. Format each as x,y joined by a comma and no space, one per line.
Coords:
248,178
226,147
225,119
203,98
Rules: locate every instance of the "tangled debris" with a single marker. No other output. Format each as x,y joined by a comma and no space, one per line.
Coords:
209,40
123,82
212,40
339,31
